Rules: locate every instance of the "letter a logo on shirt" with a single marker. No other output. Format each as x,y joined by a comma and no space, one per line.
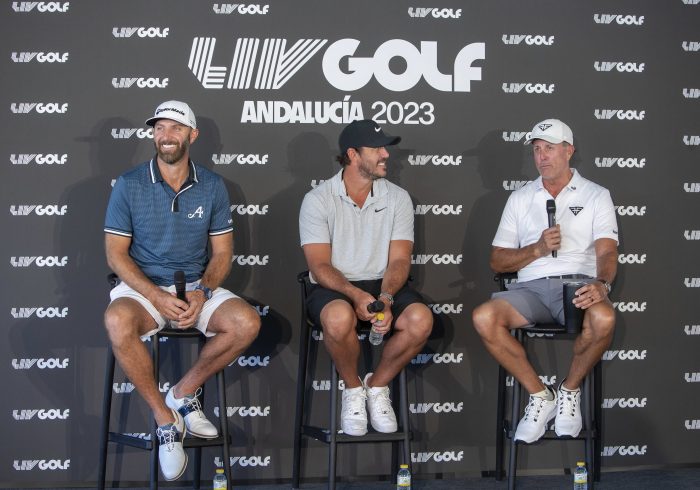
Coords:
199,212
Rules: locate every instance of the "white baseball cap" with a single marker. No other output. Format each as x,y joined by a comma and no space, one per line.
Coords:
552,130
175,110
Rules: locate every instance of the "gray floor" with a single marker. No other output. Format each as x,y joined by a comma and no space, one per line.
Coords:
661,479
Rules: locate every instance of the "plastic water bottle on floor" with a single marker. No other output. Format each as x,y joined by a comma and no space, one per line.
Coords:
220,480
403,478
580,476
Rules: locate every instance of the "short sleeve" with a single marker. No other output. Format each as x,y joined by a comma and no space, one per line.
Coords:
221,221
118,216
313,221
507,232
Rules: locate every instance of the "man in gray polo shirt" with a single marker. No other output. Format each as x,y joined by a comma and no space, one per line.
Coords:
585,239
357,235
164,216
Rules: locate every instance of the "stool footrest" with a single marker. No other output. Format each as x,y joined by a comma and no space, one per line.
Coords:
128,440
323,435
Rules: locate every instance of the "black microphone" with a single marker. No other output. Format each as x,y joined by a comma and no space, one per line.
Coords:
551,216
375,306
180,285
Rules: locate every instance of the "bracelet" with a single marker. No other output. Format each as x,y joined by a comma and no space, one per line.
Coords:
387,296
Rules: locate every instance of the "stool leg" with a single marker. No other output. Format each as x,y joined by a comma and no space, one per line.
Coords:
223,422
588,423
155,352
197,469
500,418
597,392
405,421
515,418
304,346
106,414
332,442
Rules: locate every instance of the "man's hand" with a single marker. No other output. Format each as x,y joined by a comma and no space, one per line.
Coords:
189,317
590,294
384,325
168,305
360,300
549,241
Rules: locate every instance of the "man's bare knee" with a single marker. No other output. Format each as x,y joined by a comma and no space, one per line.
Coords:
338,320
417,319
122,322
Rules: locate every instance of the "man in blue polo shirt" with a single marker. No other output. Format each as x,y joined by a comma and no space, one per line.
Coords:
164,216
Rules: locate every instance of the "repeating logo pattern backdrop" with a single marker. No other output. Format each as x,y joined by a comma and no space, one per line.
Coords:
272,84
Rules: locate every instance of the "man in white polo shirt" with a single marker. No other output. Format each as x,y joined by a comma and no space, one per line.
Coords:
357,235
585,239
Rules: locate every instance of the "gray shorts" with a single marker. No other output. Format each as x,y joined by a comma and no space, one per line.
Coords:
540,300
219,295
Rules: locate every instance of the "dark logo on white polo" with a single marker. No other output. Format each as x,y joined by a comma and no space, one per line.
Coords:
576,209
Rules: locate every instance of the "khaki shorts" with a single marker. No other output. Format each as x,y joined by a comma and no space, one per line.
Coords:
539,300
122,290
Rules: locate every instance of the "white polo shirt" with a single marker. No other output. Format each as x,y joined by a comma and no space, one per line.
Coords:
359,237
585,213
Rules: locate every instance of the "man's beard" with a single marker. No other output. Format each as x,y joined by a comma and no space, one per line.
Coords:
369,172
176,156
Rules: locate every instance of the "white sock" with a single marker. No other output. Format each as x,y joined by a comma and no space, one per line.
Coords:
546,394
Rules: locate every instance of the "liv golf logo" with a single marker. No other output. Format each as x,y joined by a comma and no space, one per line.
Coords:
270,63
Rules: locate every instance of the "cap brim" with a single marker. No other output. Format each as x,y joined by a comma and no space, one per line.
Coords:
544,137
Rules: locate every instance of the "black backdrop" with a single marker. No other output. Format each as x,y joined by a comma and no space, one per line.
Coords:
272,84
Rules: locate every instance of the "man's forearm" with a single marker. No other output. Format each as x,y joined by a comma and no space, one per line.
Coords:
218,269
331,278
127,270
395,276
513,259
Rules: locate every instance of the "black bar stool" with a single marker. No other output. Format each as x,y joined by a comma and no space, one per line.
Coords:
591,400
224,440
307,357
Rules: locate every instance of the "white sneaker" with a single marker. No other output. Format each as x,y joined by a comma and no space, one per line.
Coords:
191,411
534,422
381,413
171,455
353,415
568,421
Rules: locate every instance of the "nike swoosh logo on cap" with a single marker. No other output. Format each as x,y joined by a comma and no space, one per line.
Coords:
377,129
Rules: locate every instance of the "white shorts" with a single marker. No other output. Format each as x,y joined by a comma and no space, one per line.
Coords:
219,295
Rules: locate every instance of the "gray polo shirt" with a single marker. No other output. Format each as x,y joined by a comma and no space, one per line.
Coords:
359,237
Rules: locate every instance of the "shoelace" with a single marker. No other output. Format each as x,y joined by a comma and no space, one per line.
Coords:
167,435
355,402
381,400
534,407
193,403
569,401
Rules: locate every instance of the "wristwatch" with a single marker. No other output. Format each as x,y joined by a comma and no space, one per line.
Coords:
605,283
207,292
387,296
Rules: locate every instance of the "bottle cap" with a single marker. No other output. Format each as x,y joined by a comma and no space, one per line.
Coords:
219,470
404,466
580,463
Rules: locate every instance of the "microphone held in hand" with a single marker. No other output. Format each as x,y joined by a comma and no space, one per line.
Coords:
180,284
551,217
375,306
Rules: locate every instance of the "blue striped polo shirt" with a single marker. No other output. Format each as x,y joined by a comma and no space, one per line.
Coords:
169,230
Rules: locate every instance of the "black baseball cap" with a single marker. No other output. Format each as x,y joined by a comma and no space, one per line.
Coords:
364,133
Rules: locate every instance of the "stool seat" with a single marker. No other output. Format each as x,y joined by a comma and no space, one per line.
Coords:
591,399
330,434
106,436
